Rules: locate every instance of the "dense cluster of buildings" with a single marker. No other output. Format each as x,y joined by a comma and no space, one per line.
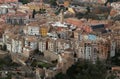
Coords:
93,1
64,39
8,1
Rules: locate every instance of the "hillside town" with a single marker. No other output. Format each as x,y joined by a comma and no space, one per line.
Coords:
39,40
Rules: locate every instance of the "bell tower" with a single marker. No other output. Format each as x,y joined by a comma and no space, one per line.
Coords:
61,16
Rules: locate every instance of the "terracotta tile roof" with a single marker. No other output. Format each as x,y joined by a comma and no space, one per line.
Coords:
27,47
51,40
15,29
37,23
69,49
33,24
96,22
61,40
13,36
93,22
43,39
17,14
2,18
7,28
113,12
114,27
8,34
74,21
31,38
5,1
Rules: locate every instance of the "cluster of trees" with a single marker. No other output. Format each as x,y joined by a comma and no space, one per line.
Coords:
98,13
4,48
24,1
40,64
84,70
80,15
41,11
111,1
7,62
116,60
53,3
60,8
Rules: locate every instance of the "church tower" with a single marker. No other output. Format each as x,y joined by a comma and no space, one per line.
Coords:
61,16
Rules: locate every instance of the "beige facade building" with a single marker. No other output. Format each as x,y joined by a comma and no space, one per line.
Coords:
17,45
65,60
62,44
51,45
43,44
32,42
50,56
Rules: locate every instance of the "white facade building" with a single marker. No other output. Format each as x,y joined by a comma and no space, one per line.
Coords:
33,30
116,5
88,53
17,46
3,10
9,47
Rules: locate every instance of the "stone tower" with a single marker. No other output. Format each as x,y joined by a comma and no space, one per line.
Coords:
62,16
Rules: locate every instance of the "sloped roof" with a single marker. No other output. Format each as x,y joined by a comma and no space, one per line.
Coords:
97,26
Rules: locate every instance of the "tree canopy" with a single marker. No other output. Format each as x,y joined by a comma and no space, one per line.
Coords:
24,1
85,70
53,2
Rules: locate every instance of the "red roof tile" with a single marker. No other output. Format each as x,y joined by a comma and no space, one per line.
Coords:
4,1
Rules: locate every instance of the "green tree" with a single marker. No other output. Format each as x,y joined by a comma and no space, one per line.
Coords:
88,10
42,11
33,13
34,63
111,76
4,48
87,70
79,15
24,1
61,76
53,3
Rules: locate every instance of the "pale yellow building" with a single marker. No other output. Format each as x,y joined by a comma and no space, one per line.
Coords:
43,31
